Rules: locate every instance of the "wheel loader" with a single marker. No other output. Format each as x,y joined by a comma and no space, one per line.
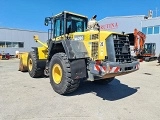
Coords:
77,49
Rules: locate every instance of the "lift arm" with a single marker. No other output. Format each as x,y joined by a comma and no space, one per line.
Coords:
36,38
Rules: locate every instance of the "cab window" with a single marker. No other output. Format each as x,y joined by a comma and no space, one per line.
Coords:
59,30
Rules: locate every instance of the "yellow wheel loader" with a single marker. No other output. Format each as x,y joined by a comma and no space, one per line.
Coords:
77,49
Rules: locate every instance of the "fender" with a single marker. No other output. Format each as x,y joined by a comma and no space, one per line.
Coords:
73,49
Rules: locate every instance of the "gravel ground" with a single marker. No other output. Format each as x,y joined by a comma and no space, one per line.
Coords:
135,96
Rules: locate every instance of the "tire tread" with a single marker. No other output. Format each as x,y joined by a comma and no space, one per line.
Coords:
36,72
71,85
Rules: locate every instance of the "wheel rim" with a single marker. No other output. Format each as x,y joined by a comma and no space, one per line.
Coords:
57,73
30,64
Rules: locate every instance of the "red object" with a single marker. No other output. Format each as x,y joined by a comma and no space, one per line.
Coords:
104,69
7,56
139,40
114,69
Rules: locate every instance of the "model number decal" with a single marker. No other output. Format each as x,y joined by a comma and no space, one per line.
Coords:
78,37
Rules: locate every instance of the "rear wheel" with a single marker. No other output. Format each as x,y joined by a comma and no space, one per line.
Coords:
104,81
32,65
60,75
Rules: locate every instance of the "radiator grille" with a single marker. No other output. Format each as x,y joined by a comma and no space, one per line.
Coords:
122,48
94,36
94,50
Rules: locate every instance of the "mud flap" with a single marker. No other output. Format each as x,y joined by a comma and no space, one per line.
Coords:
78,69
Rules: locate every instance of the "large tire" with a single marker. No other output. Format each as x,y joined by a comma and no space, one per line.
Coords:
60,75
32,66
104,81
159,59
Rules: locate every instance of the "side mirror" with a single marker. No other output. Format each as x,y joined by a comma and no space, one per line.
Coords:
46,21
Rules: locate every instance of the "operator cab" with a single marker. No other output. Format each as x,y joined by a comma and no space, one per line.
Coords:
65,23
149,48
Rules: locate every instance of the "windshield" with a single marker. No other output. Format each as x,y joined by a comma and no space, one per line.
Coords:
76,24
149,47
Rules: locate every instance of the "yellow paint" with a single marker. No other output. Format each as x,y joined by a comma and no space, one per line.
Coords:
36,38
42,53
30,64
57,73
23,60
102,50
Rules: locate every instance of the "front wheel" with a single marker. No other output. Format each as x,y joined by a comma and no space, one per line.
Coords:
60,75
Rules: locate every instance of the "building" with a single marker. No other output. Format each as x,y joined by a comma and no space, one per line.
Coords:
12,40
121,23
147,24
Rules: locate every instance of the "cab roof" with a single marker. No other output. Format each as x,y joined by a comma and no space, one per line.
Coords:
70,13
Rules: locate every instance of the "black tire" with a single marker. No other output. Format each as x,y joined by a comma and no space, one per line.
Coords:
104,81
35,72
66,85
158,59
147,59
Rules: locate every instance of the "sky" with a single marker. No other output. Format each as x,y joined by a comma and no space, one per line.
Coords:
30,14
